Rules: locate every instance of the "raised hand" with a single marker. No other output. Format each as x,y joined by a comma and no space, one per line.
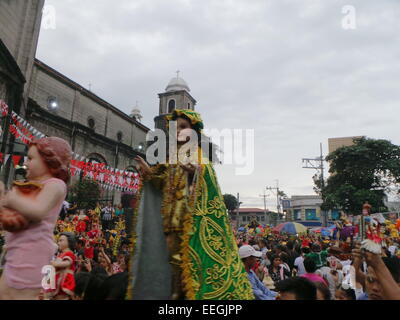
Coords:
144,168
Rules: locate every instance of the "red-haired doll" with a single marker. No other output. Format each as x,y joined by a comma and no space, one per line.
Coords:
29,249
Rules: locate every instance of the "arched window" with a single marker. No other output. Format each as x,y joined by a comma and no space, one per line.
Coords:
119,136
91,123
188,105
171,106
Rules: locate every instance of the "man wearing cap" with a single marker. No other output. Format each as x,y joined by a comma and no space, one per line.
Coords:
249,257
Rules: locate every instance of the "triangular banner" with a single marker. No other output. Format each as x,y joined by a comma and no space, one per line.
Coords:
16,159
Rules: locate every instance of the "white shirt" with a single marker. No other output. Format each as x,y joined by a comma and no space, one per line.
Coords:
299,263
392,250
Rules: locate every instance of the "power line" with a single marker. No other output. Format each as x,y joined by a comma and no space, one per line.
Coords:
318,164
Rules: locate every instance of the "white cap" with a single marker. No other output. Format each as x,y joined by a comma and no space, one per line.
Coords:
247,251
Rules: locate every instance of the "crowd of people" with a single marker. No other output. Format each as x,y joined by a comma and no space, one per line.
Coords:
91,254
57,252
312,267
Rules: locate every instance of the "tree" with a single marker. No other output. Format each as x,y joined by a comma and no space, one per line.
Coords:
366,171
282,194
86,193
231,202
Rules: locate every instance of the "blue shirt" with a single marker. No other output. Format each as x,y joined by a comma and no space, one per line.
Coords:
261,292
363,296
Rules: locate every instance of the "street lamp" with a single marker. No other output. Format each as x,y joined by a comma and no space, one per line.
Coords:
52,103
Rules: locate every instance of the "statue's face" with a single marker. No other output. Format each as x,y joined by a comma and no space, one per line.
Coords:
183,130
36,167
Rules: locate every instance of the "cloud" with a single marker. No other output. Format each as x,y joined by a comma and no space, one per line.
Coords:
286,69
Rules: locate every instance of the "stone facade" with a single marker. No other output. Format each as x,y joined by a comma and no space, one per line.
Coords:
19,30
113,137
77,104
56,105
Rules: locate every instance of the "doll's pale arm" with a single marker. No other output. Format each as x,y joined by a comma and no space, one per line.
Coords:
35,209
61,263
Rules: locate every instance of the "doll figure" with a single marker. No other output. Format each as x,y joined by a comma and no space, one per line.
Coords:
65,267
373,243
30,249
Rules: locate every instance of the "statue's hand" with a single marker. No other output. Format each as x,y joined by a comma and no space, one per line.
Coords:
189,167
144,168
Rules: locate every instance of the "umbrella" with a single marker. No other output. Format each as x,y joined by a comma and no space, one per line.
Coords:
290,227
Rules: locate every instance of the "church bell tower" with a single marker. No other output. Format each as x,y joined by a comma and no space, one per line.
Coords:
176,96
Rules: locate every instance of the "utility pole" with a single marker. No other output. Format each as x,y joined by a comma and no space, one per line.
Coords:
265,207
237,211
278,206
318,164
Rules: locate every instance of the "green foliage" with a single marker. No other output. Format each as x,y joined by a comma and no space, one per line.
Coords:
231,202
366,171
86,193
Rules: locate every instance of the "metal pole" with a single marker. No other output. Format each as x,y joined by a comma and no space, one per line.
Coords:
237,212
323,212
278,206
265,206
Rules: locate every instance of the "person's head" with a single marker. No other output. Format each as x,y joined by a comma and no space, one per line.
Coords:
94,285
66,241
284,257
296,288
280,248
249,256
262,243
276,261
309,265
323,292
393,265
81,282
80,243
102,262
345,294
115,286
372,285
49,156
305,250
316,248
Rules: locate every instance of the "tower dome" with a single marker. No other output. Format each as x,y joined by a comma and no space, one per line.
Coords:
136,114
177,84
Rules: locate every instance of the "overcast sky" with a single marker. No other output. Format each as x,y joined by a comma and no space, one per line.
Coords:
287,69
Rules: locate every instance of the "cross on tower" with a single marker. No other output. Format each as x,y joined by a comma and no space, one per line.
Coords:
177,73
